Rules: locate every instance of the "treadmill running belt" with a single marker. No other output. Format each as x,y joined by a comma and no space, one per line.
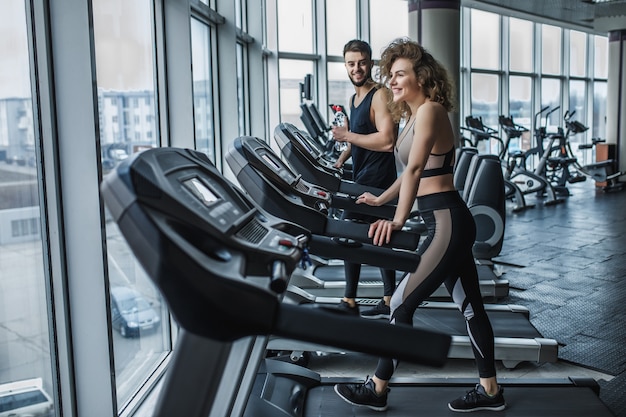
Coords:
336,273
451,321
432,401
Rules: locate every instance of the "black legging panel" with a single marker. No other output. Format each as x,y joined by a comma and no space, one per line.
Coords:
353,271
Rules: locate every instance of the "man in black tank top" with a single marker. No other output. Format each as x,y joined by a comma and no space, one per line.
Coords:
371,135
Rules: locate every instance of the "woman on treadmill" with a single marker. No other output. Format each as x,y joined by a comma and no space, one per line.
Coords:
422,95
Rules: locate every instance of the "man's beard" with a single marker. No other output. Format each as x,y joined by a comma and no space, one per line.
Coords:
367,77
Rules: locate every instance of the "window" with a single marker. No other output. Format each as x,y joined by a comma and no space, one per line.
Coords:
599,109
601,57
551,96
520,45
242,102
202,87
292,72
551,49
24,320
577,54
295,28
389,19
125,67
485,96
520,105
340,25
485,40
340,88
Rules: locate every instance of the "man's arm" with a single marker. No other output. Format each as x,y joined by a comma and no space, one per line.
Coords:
382,141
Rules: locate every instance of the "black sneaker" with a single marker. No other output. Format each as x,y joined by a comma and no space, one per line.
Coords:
379,311
348,309
363,395
477,399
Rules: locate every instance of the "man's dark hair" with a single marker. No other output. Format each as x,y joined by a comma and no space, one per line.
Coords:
357,45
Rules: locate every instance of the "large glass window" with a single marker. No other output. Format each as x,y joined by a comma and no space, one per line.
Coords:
599,110
601,57
520,105
202,87
292,73
485,40
577,54
340,25
485,96
24,330
551,49
295,26
551,97
340,88
577,111
125,59
520,45
389,19
242,102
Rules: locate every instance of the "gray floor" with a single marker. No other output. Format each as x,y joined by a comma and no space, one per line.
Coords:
566,264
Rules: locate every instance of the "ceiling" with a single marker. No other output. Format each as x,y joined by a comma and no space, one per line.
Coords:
600,16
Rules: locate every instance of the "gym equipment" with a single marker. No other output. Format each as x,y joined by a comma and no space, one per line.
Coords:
273,185
481,132
308,161
210,251
524,180
516,339
600,172
203,243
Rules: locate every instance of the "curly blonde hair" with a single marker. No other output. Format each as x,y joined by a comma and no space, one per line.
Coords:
431,75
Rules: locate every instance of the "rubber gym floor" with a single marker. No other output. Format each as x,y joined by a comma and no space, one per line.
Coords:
567,264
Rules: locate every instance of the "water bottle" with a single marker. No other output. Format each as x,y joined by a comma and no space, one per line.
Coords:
340,120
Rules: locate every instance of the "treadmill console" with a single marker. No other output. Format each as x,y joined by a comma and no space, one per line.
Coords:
199,238
263,158
303,143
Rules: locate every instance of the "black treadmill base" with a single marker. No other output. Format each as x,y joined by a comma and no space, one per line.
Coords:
432,401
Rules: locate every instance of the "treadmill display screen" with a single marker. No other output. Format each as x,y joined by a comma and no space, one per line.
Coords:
201,191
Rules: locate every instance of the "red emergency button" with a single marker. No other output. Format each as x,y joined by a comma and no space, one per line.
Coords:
322,194
286,243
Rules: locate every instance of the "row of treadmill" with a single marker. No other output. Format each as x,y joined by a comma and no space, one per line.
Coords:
257,267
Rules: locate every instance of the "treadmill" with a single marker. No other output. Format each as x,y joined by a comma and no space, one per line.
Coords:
270,182
203,244
285,195
307,160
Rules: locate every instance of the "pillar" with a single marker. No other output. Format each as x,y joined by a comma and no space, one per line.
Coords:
436,25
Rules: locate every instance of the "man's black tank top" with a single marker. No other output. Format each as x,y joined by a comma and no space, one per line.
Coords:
377,169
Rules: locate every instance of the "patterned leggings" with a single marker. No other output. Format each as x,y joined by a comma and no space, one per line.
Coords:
446,256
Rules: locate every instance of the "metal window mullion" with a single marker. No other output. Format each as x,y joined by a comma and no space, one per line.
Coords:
321,43
205,13
75,104
50,208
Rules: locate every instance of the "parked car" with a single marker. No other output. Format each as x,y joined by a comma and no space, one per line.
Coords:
25,398
131,313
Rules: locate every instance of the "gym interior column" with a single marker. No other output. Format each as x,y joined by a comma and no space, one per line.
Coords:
616,97
435,24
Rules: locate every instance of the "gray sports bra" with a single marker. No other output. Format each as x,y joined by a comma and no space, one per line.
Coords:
437,164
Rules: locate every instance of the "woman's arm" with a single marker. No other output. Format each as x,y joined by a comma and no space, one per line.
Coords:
385,197
424,138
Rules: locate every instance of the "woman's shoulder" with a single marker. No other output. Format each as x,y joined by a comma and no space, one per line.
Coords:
431,109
